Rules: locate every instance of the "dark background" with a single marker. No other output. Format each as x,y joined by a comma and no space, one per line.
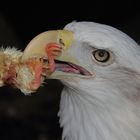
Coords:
35,117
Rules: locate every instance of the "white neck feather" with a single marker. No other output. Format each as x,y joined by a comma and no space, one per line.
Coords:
85,115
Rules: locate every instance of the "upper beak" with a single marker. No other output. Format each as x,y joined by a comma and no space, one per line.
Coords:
37,46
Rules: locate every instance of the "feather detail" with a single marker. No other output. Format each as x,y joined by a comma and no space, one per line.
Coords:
8,56
85,116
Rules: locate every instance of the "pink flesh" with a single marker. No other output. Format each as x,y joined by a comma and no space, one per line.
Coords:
35,85
66,68
37,82
49,50
36,67
72,68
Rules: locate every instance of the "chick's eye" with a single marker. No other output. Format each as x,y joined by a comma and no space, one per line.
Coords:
101,55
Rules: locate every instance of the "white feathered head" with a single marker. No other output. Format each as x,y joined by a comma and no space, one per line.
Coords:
101,99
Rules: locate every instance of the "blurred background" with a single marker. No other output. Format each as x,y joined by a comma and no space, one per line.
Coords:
35,117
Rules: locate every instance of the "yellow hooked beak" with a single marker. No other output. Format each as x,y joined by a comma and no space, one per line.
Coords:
37,46
66,62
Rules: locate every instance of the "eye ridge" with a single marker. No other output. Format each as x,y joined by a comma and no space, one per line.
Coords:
101,55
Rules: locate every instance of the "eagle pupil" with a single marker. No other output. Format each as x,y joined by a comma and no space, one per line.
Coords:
101,53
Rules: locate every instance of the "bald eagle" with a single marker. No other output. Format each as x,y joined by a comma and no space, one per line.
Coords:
101,97
100,68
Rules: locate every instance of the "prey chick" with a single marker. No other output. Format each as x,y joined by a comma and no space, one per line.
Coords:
27,76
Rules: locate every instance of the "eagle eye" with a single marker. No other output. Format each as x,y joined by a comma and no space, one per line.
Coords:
101,55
